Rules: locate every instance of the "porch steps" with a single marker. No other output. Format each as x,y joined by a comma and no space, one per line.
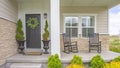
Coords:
25,65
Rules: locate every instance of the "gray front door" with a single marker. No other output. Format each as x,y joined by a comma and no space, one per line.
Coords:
33,36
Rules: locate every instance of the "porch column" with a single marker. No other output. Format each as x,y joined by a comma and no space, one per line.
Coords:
55,26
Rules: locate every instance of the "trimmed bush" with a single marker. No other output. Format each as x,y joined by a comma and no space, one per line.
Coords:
46,32
77,60
117,59
97,62
19,32
54,62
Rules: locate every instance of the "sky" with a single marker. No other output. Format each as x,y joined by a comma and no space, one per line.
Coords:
114,20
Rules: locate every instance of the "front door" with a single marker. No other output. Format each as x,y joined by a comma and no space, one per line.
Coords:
33,32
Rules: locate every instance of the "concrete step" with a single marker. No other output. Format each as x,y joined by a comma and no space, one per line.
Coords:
25,65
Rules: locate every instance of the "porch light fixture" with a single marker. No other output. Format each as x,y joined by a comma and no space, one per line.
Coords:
45,15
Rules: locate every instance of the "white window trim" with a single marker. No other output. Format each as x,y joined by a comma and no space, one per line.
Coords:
70,26
88,27
79,22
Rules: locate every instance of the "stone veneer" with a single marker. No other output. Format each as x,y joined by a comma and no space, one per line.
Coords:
8,45
83,44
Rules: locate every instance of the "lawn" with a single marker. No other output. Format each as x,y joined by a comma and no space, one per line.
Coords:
115,44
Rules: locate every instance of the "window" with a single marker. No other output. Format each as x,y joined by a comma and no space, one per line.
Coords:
88,25
71,26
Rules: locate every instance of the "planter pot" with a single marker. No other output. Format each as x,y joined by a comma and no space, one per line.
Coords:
20,47
46,46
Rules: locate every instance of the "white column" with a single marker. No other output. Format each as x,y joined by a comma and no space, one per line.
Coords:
55,26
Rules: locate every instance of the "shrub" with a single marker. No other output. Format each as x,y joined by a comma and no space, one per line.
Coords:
46,32
19,32
77,60
54,62
97,62
117,59
75,66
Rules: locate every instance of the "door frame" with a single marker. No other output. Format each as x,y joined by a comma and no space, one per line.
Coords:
41,28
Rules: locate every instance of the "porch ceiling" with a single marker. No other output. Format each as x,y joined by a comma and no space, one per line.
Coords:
106,3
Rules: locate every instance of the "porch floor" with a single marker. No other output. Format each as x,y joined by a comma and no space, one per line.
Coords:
86,57
19,58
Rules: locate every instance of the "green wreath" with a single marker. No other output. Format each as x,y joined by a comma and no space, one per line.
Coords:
32,23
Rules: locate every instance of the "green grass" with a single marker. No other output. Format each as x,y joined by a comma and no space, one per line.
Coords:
115,44
115,49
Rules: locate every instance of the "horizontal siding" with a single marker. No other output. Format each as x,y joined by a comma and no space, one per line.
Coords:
102,16
102,19
8,10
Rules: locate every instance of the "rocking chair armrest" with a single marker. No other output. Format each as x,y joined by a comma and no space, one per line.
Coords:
96,43
74,42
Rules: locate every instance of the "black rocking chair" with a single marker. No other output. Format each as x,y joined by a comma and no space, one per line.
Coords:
94,42
68,45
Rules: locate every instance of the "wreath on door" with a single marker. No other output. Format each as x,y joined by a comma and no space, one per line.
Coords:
32,23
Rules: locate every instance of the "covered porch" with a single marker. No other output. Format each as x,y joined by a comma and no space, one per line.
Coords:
56,13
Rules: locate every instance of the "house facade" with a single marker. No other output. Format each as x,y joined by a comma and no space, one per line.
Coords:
75,17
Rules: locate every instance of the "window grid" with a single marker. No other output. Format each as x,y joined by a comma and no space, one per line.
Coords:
87,25
71,27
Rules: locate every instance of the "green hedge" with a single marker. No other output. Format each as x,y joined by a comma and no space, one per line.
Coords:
97,62
54,62
77,60
117,59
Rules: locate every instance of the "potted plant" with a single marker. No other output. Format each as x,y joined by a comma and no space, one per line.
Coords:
45,38
20,37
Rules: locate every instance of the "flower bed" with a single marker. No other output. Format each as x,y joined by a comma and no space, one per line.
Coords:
96,62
